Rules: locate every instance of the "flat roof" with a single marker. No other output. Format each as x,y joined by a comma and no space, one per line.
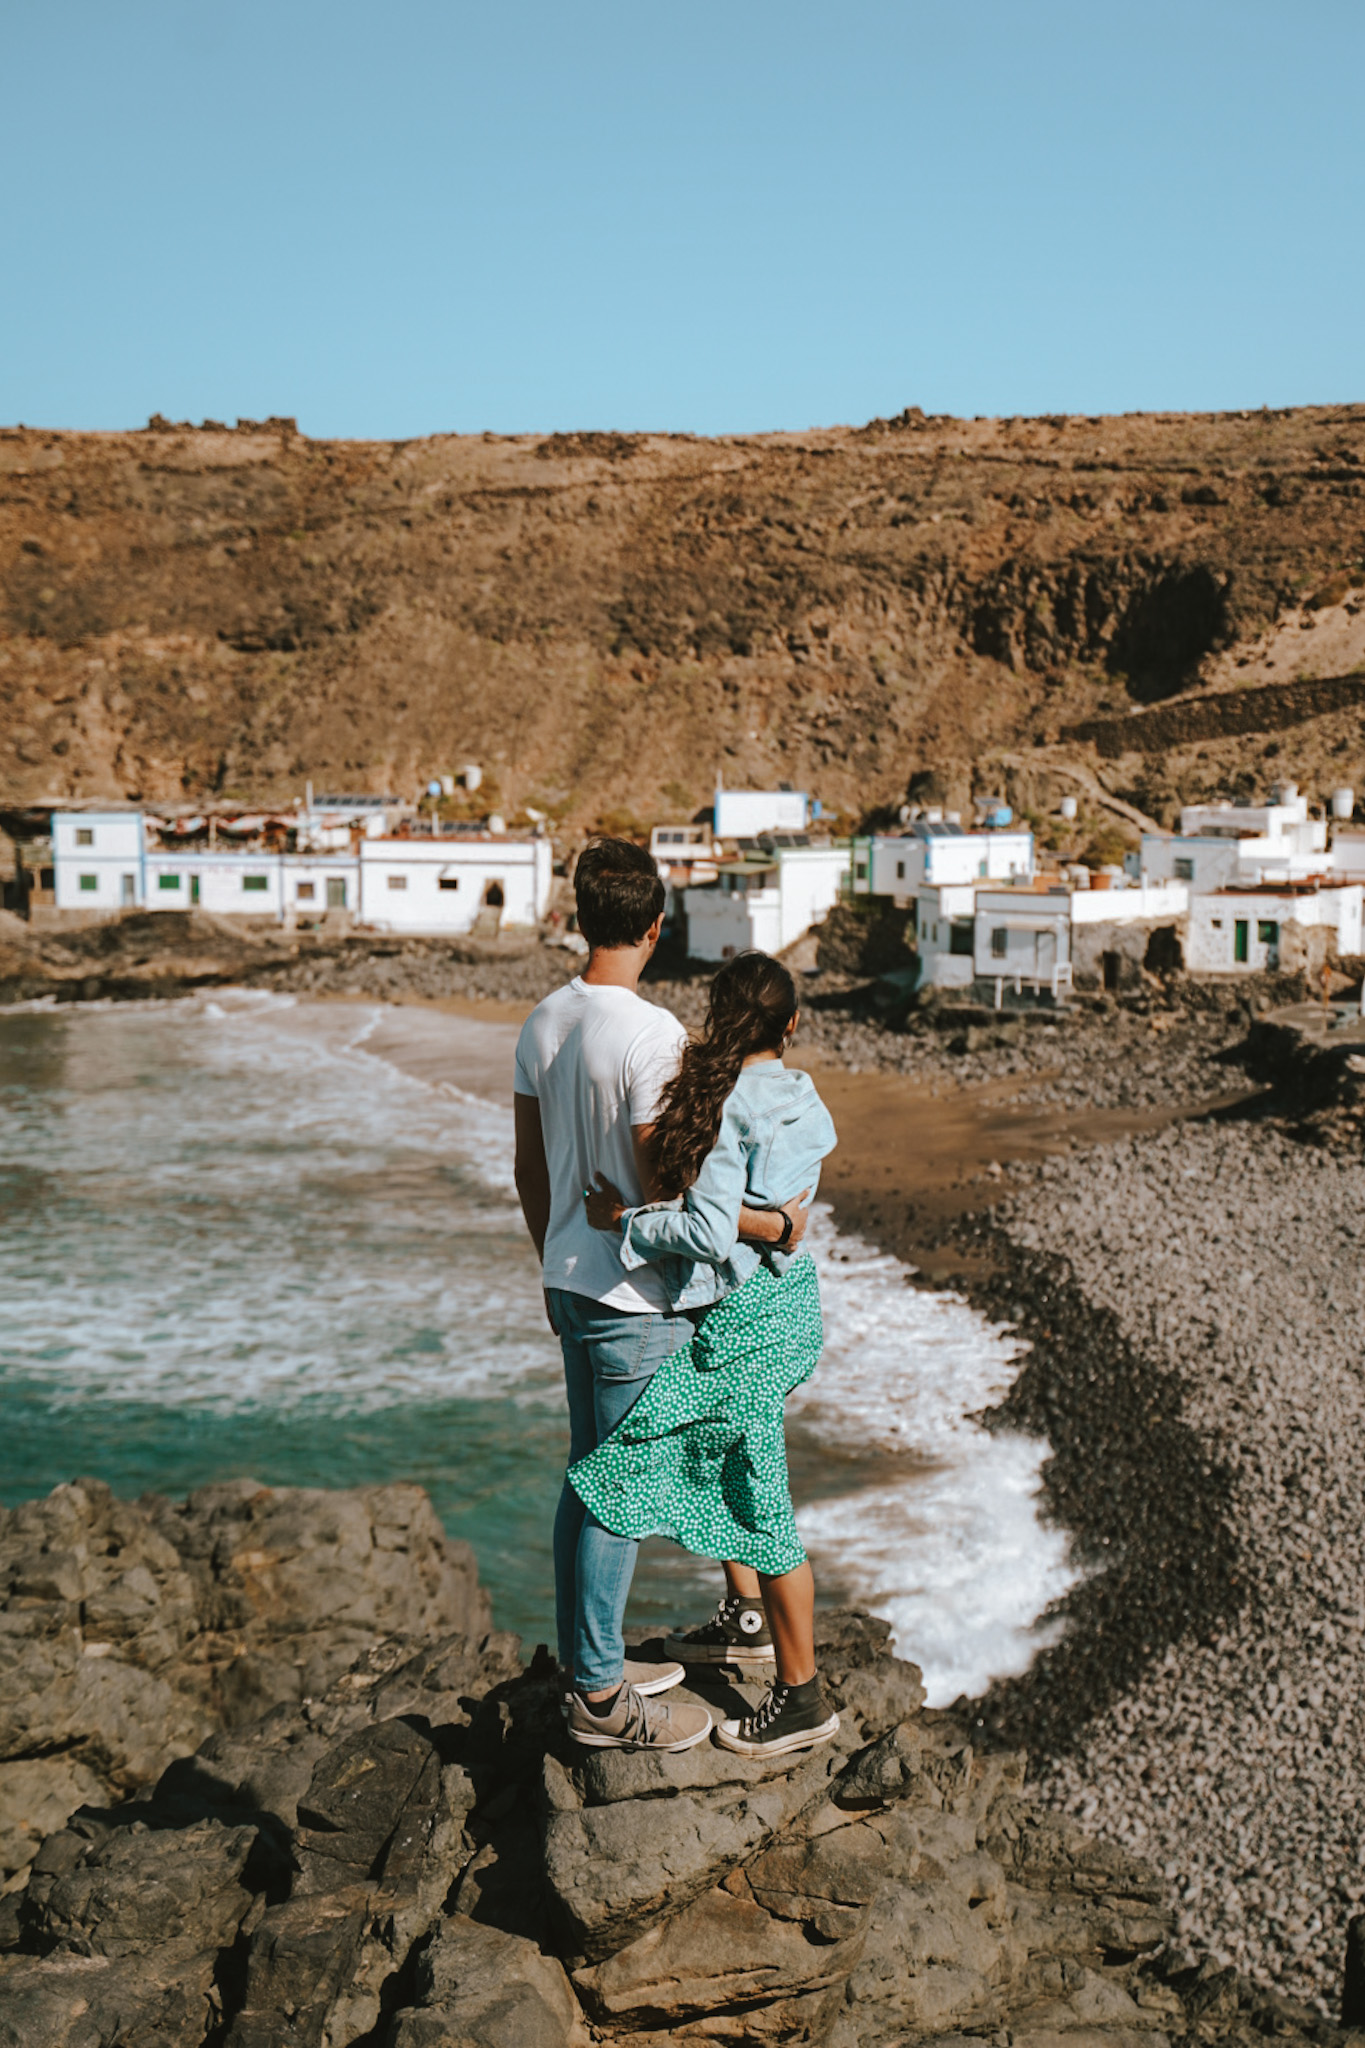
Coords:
446,842
1316,886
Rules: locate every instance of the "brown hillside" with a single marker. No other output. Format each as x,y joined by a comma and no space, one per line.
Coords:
605,620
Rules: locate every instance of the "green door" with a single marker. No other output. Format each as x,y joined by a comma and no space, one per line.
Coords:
1239,941
336,893
194,888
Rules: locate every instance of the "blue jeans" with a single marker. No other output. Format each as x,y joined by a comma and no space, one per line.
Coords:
609,1359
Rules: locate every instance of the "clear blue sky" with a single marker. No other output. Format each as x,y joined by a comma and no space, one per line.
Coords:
396,217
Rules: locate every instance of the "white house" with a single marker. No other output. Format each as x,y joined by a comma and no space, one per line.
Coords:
945,934
1045,936
764,900
744,813
1221,845
221,879
98,860
684,855
110,861
1284,820
312,883
113,860
1288,925
930,854
442,884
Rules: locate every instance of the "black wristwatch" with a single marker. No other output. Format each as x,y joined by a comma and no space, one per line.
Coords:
786,1230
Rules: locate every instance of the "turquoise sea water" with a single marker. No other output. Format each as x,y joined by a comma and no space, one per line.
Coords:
248,1236
229,1246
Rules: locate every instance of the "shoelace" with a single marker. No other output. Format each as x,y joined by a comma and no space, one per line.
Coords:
770,1711
644,1717
724,1612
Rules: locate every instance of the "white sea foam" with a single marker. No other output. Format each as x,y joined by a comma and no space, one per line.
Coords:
298,1202
268,1213
954,1555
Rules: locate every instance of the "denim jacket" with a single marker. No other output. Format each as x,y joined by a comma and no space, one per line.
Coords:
774,1132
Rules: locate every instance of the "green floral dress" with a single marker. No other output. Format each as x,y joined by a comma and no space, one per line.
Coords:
701,1457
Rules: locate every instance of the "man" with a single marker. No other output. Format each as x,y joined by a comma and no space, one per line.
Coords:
593,1063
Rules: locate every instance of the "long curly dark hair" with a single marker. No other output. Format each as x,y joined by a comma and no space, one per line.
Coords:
753,1001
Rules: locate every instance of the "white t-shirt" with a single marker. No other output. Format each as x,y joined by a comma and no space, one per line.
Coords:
597,1060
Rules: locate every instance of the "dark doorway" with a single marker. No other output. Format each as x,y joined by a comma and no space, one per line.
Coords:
1165,954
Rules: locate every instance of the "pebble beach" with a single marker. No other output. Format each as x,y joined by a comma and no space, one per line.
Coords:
1221,1265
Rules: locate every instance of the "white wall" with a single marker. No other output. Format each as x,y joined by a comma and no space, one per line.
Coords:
227,882
900,865
744,813
1008,854
809,881
401,882
1027,938
1130,906
936,913
1212,863
1288,823
723,922
1348,855
171,879
312,884
1221,863
1351,923
97,859
980,857
1211,947
896,867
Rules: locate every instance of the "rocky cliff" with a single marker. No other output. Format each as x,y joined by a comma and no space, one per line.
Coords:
132,1632
407,1853
603,621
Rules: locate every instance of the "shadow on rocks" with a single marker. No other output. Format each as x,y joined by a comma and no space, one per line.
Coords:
1147,1506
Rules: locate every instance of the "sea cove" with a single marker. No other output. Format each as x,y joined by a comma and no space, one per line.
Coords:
252,1236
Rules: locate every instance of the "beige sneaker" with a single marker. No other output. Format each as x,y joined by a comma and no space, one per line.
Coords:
648,1679
638,1723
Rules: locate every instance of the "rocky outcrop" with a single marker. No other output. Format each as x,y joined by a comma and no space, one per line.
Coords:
162,953
409,1853
134,1631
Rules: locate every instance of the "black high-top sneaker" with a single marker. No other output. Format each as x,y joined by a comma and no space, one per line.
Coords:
737,1633
792,1717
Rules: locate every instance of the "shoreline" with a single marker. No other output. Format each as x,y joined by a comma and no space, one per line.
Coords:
1132,1714
1129,1711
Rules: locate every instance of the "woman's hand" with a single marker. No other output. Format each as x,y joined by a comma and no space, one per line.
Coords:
603,1205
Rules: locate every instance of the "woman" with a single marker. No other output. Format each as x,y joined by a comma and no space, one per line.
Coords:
701,1456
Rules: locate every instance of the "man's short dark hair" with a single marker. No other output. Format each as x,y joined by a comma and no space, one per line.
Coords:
619,892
